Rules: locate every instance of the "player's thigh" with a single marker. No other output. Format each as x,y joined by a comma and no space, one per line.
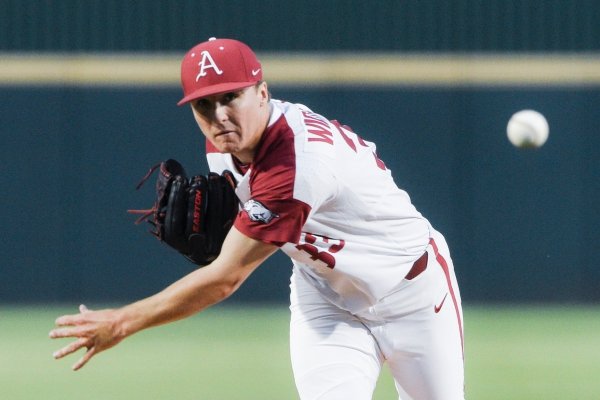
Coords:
432,367
424,348
334,356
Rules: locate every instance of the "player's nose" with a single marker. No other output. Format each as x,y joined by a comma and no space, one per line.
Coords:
221,112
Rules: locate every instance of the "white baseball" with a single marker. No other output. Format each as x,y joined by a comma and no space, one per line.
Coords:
527,128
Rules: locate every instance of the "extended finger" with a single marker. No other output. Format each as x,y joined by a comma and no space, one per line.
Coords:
83,360
65,320
71,348
78,331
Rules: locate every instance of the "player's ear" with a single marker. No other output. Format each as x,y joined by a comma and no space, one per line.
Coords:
263,91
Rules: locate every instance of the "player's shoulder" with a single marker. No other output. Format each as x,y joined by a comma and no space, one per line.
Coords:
295,113
309,128
287,106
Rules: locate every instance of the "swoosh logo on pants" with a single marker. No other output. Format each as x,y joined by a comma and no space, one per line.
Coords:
437,308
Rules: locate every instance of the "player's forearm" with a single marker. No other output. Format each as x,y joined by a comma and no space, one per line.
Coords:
200,289
190,295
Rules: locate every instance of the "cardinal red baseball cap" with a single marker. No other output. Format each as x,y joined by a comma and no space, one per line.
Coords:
218,66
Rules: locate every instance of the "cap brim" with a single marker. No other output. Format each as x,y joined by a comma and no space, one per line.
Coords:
214,89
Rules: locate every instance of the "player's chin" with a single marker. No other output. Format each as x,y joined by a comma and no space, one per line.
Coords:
226,146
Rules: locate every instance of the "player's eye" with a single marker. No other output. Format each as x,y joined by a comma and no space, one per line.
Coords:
229,97
202,104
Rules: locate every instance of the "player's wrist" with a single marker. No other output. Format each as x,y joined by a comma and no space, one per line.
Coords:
128,321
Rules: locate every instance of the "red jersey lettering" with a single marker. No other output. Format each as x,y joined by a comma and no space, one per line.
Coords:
317,128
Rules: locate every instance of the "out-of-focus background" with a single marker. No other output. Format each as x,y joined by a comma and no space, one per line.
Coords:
88,92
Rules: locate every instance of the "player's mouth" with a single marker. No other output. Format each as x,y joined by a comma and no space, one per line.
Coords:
224,133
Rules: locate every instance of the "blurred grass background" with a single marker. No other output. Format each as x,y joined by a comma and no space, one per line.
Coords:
232,352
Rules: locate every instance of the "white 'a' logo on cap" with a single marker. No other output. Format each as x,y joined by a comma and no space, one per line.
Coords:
206,63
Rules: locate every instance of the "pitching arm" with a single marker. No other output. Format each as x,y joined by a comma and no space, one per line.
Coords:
100,330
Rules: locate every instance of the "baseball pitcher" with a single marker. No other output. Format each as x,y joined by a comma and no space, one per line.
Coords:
372,281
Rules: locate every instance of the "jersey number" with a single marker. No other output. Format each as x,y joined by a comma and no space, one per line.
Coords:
313,243
342,129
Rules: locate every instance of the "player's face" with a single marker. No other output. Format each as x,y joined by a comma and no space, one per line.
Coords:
234,122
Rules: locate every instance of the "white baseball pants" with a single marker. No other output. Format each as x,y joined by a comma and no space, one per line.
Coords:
417,331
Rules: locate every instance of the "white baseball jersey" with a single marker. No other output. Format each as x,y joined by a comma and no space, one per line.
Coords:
320,192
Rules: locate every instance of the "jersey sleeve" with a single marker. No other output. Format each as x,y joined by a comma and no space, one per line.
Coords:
273,219
285,188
